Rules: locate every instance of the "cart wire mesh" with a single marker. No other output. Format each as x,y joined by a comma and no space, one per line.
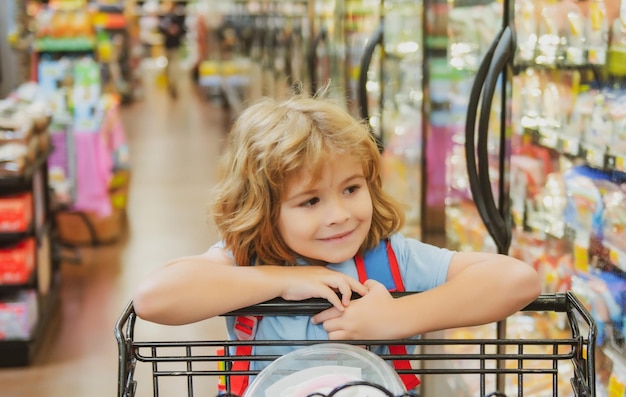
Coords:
567,358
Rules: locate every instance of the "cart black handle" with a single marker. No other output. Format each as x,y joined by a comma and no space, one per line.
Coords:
470,133
501,224
557,302
366,61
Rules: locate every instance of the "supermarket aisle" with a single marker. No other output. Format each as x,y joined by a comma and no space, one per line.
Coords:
173,145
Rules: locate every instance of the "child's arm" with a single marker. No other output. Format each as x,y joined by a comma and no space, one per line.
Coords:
198,287
480,288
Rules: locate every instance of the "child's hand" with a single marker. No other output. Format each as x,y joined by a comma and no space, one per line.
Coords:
369,317
304,282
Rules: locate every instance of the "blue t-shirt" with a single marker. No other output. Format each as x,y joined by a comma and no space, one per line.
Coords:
422,267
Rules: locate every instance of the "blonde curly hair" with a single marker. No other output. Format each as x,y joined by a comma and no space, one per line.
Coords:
268,143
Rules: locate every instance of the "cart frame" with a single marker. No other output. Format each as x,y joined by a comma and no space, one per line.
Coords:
499,357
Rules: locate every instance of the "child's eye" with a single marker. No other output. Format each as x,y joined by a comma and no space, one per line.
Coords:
310,202
352,189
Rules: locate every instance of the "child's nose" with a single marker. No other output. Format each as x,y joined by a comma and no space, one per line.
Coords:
337,212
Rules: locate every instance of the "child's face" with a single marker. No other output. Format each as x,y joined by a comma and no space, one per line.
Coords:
329,219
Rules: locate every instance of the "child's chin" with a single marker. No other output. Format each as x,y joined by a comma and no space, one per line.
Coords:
336,258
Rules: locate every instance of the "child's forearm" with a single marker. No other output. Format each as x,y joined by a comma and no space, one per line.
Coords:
193,289
482,293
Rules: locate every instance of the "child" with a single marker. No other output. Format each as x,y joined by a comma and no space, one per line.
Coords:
298,197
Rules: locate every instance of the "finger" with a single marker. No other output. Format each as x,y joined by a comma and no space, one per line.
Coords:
357,287
337,335
326,315
345,289
371,284
334,300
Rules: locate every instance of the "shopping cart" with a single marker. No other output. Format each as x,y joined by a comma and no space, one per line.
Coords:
559,364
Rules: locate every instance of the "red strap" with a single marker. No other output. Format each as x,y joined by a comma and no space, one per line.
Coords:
393,267
360,268
239,383
245,329
410,380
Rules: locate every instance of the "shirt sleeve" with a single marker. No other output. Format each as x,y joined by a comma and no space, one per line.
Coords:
221,245
423,266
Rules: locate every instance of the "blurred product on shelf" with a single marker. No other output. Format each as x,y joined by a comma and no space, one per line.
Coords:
16,212
88,138
551,144
23,131
18,316
17,262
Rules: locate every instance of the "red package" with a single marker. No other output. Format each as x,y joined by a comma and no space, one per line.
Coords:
16,213
17,262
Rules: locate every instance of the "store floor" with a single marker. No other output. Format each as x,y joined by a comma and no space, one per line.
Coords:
174,146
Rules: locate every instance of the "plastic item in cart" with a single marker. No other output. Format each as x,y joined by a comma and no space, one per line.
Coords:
323,367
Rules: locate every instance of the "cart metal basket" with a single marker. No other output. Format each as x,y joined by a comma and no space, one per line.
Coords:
564,361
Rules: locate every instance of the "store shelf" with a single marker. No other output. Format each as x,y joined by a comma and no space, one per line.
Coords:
14,237
520,66
597,157
65,44
19,353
